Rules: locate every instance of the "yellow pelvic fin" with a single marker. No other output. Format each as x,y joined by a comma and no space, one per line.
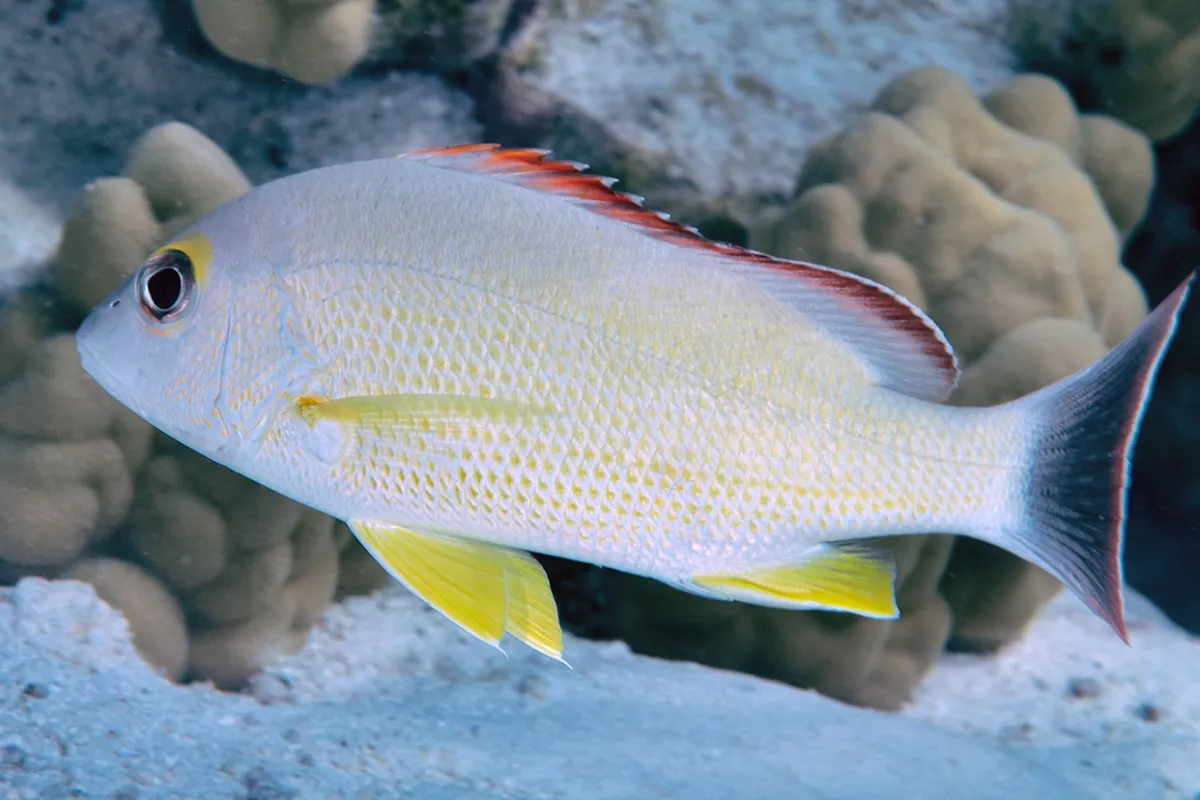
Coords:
451,416
846,577
485,589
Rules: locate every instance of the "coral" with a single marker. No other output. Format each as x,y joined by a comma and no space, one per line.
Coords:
155,620
312,41
249,570
173,176
994,216
319,42
67,449
1115,156
83,88
965,215
68,453
1001,231
252,569
1137,59
247,565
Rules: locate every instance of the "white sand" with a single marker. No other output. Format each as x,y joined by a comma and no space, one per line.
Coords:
1134,733
389,700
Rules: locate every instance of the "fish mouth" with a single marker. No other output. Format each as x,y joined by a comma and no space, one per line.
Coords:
91,364
101,374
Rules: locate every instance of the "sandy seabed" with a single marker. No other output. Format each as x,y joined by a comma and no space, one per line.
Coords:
388,699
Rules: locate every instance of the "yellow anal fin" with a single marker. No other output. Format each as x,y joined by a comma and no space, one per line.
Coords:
849,578
485,589
532,613
449,416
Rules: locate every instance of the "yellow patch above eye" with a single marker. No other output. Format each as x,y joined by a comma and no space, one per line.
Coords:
197,247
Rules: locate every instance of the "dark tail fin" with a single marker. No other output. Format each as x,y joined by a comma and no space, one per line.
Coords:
1084,428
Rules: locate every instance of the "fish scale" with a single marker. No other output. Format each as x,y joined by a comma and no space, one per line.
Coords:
470,354
751,472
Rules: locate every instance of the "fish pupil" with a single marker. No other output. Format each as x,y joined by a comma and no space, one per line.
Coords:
164,289
165,283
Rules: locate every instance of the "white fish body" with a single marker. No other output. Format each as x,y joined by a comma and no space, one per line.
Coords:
472,353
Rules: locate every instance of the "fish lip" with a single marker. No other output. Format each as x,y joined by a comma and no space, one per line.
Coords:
105,378
91,365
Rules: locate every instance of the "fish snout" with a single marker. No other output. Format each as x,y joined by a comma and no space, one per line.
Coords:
103,343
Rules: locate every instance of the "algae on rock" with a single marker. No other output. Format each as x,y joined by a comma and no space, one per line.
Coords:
1138,60
707,109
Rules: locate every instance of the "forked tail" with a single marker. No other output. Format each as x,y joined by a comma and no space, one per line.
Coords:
1084,428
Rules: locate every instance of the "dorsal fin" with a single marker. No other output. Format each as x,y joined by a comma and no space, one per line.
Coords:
901,346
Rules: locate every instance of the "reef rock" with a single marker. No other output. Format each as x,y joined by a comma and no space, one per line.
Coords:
87,80
708,109
28,234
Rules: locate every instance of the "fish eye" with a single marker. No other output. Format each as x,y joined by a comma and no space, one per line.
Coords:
165,284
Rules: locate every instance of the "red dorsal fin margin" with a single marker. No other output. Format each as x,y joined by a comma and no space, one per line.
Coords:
902,346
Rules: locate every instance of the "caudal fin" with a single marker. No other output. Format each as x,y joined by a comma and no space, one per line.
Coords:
1085,427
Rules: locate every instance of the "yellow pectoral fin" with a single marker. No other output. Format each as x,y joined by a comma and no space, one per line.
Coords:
449,416
839,578
485,589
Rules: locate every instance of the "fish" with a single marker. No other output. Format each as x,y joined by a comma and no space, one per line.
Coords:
472,354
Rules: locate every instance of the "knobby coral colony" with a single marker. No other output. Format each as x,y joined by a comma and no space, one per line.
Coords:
227,572
314,43
1138,60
